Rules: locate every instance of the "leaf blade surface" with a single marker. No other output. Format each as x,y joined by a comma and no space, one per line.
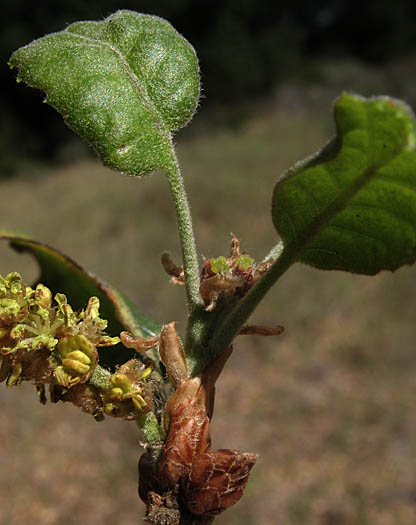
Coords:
123,84
352,206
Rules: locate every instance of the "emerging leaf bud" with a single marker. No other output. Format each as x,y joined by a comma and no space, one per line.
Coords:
229,278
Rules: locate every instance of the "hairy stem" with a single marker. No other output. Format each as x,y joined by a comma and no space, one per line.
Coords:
186,235
100,378
151,429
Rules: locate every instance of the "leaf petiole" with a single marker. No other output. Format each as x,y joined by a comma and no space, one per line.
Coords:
186,234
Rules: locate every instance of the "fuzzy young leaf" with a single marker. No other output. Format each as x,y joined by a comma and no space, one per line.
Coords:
60,273
124,84
352,206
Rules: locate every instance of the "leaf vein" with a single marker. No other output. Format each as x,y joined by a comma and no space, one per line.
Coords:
355,232
126,67
391,213
330,252
396,182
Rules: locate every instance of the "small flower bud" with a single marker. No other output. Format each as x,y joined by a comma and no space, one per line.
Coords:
127,396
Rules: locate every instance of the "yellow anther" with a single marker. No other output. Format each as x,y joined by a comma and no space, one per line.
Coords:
73,381
72,343
121,381
62,378
147,371
15,374
85,346
79,356
116,393
138,402
75,366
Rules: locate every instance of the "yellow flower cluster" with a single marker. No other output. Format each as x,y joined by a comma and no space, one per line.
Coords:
44,340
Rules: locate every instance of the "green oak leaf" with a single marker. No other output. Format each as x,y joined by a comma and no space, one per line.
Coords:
61,274
124,84
352,206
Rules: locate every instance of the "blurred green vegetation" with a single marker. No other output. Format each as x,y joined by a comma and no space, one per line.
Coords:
329,405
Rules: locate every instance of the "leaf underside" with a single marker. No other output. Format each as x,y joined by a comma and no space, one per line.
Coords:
61,274
124,84
352,206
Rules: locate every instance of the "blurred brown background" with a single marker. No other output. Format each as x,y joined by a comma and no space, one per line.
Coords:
329,405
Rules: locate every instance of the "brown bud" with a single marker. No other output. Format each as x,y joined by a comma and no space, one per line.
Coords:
188,436
187,424
216,481
208,482
198,390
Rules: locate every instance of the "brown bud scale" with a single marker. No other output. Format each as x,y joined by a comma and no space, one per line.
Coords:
172,355
205,482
